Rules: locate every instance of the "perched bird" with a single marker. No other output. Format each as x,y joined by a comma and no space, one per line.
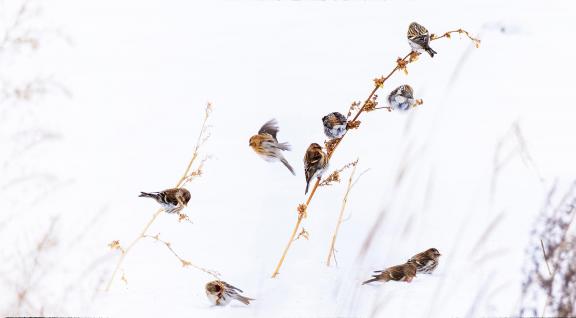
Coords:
267,146
405,272
427,261
315,163
334,125
220,293
402,98
172,200
419,39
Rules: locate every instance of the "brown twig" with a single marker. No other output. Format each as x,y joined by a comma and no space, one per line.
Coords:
459,31
331,250
184,262
202,137
401,64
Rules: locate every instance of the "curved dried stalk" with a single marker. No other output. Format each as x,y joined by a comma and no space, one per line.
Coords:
184,262
331,250
401,64
187,176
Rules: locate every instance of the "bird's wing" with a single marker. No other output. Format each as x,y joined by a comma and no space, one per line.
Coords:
233,287
270,127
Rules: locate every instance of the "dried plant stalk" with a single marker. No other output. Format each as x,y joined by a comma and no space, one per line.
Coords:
186,176
184,262
331,251
401,64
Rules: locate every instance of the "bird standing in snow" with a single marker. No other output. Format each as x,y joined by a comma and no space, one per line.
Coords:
220,293
334,125
172,200
419,39
267,146
315,163
427,261
405,272
402,98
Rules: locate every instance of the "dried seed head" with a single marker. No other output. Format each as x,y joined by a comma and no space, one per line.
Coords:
379,82
353,124
115,245
302,210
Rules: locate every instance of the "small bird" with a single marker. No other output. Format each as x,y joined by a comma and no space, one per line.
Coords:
405,272
220,293
419,39
172,200
267,146
427,261
402,98
315,163
334,125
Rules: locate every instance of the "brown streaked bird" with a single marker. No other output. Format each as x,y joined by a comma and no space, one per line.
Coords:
267,146
427,261
405,273
334,125
402,98
220,293
172,200
315,163
419,39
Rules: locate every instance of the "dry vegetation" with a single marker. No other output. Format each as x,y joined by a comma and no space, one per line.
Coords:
549,287
190,173
369,104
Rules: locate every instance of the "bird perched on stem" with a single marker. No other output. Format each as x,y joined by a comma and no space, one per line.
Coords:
427,261
315,163
334,125
172,200
267,146
220,293
405,272
402,98
419,39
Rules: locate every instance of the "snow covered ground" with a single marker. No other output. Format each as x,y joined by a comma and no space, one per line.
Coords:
451,174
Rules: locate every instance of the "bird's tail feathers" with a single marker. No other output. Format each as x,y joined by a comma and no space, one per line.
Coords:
430,51
242,299
370,281
152,195
285,162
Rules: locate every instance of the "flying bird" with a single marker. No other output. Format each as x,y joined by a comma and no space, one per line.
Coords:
172,200
267,146
419,39
220,293
315,163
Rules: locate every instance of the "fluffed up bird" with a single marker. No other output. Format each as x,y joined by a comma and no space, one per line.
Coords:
267,146
220,293
172,200
427,261
315,163
405,272
402,98
334,125
419,39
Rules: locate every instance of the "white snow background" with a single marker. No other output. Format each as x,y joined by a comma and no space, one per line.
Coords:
141,72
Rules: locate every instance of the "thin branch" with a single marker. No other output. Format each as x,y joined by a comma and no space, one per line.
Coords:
545,258
182,181
401,64
184,262
331,250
